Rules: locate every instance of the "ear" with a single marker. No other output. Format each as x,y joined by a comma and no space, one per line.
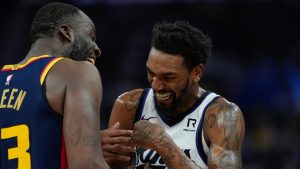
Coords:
197,73
66,33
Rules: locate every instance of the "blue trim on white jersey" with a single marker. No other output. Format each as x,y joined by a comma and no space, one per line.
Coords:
199,132
141,104
172,122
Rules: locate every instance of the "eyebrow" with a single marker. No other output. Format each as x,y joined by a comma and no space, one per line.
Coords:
164,74
149,70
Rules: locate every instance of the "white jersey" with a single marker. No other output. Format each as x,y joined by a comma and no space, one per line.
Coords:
186,132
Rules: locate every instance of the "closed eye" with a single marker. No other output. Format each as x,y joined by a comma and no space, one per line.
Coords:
169,77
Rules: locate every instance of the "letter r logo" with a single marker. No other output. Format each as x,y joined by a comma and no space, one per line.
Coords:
192,122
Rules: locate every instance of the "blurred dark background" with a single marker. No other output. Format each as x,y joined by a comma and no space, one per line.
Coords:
255,61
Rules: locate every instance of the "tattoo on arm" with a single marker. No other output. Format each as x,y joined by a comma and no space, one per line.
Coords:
225,159
75,134
173,157
91,139
228,122
74,130
210,121
133,101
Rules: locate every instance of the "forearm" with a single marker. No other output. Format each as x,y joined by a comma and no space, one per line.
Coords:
173,156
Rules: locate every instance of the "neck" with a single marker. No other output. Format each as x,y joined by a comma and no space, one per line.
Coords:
43,46
187,101
189,98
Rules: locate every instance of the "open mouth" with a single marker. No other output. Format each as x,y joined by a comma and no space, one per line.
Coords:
164,98
91,59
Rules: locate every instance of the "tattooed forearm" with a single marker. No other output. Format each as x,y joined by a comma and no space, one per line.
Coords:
169,155
153,136
173,157
150,133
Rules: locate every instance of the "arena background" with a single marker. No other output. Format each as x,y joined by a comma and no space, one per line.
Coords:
255,61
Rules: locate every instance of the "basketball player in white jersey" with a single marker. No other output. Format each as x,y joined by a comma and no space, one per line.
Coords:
176,123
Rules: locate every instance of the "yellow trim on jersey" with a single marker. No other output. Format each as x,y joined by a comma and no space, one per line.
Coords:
47,68
20,66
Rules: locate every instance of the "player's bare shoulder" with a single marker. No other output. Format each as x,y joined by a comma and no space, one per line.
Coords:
71,70
224,130
124,109
224,119
70,74
129,100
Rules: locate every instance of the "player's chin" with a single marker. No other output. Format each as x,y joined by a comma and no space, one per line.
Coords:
165,103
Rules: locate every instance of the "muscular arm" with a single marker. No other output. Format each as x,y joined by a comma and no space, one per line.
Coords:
153,136
124,109
78,99
224,130
117,154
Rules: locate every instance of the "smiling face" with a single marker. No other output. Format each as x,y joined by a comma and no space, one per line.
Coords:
170,80
84,46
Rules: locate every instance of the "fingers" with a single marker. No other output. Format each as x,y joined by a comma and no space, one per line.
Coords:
119,157
116,143
116,140
119,149
114,133
116,125
119,152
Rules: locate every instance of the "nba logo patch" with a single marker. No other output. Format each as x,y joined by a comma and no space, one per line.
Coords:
8,79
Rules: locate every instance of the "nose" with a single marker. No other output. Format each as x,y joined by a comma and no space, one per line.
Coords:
157,84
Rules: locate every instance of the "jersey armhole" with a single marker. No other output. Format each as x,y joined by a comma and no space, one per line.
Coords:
43,77
141,104
203,150
47,68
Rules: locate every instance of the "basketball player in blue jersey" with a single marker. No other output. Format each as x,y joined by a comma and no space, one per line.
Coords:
176,123
50,105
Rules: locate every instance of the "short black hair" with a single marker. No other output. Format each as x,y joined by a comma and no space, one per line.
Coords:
181,38
48,17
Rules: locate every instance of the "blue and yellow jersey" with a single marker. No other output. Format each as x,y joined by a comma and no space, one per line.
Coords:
30,131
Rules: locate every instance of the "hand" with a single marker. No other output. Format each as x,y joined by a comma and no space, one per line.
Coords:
148,135
116,143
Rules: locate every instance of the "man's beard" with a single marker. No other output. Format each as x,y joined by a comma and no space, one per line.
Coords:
79,52
170,111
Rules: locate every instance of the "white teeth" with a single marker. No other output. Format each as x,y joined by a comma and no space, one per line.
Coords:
91,60
163,96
